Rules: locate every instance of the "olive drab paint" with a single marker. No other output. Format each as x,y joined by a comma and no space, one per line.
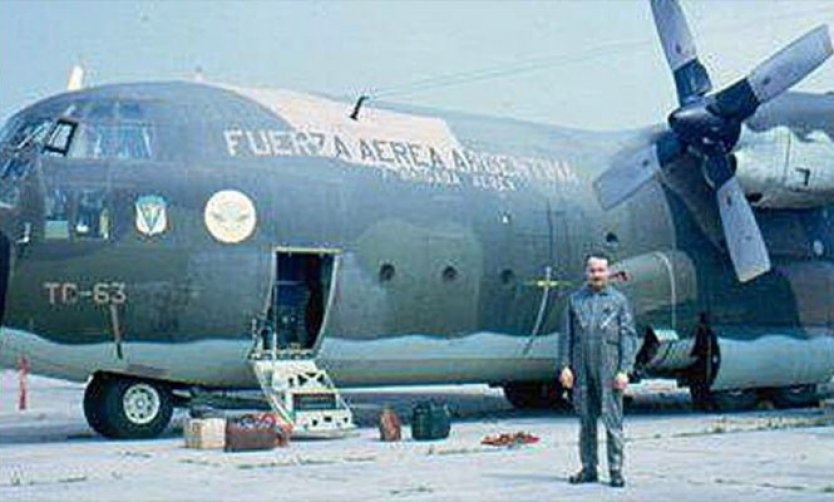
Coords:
456,238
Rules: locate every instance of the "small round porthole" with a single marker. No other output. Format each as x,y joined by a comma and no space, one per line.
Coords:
386,272
507,277
450,273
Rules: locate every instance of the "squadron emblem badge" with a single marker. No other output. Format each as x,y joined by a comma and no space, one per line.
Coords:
151,215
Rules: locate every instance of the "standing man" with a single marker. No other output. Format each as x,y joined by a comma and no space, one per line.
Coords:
596,354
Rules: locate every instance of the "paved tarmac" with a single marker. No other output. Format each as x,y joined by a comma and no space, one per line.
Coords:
49,453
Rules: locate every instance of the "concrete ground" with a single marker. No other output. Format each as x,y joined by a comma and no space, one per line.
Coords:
49,453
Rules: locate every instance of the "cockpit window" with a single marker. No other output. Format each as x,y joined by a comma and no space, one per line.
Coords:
102,111
112,141
118,130
60,138
27,131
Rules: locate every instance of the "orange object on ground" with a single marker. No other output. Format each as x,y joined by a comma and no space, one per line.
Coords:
510,440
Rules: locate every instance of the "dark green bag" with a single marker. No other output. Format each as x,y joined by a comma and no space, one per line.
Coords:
430,421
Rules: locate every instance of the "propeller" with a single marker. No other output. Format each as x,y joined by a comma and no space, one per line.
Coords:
709,125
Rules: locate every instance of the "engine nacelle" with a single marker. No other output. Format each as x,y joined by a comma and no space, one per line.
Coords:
780,168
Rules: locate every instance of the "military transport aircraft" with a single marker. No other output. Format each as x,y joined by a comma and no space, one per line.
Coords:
145,227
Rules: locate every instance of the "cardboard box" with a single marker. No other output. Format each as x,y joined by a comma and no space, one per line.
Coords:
205,433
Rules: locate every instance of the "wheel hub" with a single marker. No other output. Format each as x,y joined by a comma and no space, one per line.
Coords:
141,403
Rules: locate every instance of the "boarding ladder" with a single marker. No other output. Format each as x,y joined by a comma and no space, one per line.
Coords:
300,392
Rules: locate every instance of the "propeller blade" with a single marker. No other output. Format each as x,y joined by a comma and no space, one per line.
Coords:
691,77
776,75
630,173
747,248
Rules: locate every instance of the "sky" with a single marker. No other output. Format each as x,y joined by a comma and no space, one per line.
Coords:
588,64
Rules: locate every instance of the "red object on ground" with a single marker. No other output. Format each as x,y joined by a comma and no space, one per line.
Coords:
510,440
282,429
253,432
23,389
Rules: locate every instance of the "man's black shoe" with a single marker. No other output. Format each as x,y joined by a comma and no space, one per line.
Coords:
617,480
583,476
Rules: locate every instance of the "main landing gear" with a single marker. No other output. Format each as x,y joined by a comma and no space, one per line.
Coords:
709,360
120,407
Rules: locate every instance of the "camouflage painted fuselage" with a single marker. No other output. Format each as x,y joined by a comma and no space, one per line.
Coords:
498,201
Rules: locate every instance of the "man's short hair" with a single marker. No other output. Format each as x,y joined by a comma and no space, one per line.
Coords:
597,255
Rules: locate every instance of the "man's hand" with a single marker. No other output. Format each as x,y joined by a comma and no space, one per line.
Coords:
621,381
566,378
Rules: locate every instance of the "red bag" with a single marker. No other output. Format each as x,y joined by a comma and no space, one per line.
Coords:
255,432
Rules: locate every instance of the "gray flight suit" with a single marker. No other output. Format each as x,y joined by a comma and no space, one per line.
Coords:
599,341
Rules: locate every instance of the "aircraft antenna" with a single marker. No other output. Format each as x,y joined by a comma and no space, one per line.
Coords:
545,61
354,115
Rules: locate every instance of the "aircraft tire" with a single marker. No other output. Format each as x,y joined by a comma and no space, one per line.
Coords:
535,395
797,396
92,404
128,408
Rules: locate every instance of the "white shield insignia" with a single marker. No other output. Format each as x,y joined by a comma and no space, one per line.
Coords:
151,215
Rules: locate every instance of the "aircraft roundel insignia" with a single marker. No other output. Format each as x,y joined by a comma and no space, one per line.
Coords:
230,216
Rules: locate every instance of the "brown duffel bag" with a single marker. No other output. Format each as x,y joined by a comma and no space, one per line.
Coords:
254,432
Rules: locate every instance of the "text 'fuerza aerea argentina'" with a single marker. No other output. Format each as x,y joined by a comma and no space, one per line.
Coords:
411,162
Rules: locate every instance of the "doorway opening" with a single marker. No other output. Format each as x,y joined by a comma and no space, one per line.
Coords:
300,296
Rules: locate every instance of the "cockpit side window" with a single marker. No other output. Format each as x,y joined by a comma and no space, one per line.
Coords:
92,218
81,215
57,215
